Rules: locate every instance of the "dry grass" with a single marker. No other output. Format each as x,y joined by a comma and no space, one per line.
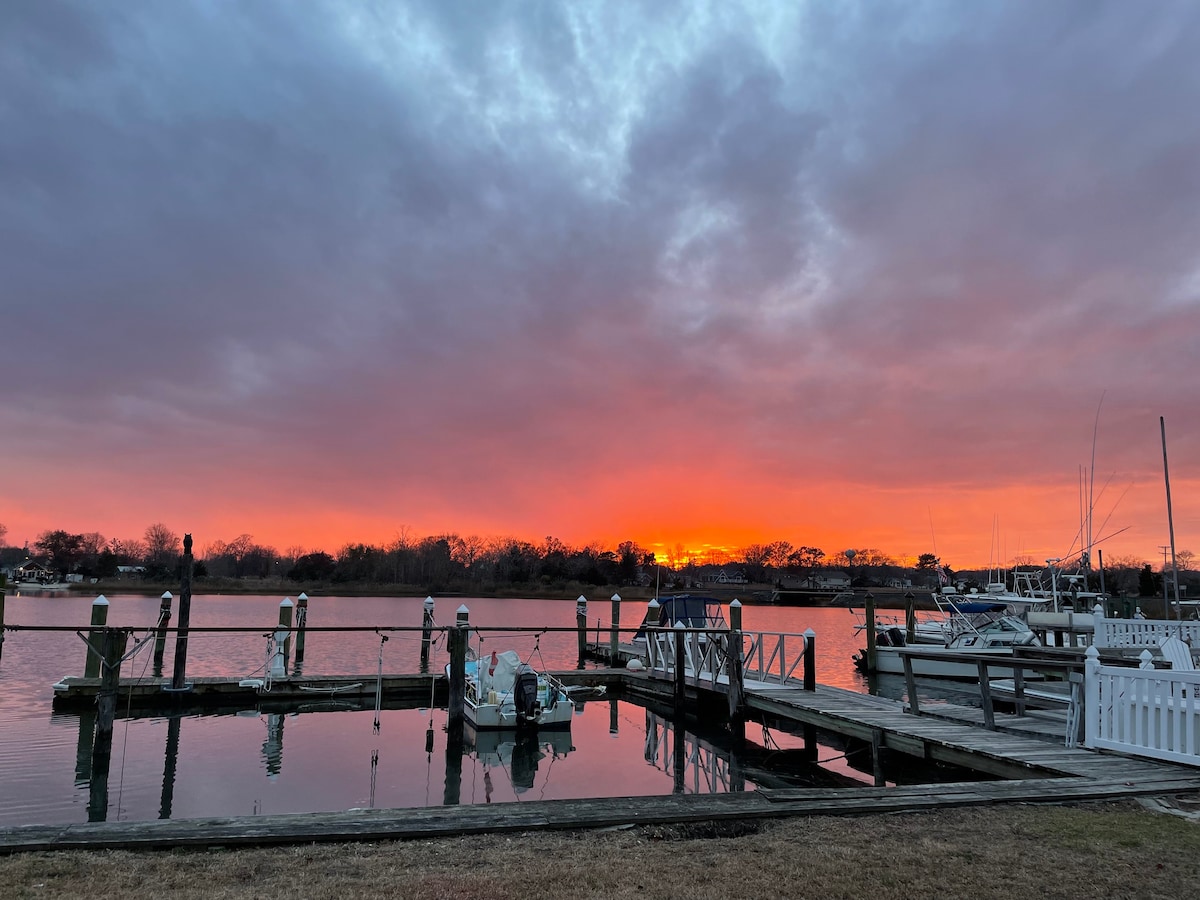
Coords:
1109,850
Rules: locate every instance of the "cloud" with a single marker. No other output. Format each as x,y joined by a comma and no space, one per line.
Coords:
435,262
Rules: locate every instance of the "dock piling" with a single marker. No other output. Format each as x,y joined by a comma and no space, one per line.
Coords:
910,617
458,668
680,673
301,626
810,660
733,664
426,632
112,644
160,634
95,642
869,611
178,677
615,634
286,608
581,624
3,584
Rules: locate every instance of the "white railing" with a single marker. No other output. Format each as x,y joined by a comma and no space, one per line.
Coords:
1150,633
704,770
772,656
767,656
1145,712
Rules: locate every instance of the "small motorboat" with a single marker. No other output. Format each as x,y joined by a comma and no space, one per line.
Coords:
504,692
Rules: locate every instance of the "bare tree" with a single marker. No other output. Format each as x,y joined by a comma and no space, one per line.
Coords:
162,545
3,535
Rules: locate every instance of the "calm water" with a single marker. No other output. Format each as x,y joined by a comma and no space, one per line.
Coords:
328,755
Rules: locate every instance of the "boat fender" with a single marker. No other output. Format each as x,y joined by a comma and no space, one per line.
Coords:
635,665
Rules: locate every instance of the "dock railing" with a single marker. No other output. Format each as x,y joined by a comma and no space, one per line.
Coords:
766,656
1148,633
1144,712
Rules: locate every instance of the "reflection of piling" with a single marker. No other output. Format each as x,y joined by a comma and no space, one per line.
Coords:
680,758
613,725
581,626
301,626
452,788
286,606
112,640
170,760
3,585
615,635
178,680
272,747
83,747
95,651
160,637
458,667
426,633
869,611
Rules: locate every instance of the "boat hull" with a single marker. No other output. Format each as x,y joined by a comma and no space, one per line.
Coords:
491,716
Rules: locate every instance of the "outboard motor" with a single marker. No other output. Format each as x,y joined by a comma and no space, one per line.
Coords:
525,691
897,636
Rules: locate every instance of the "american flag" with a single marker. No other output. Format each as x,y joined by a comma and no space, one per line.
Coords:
943,578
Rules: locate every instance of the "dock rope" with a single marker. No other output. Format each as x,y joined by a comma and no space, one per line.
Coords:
383,639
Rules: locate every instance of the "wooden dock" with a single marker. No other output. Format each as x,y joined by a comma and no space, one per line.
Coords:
1026,751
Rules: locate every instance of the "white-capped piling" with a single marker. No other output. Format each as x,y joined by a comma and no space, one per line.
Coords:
581,626
733,663
179,675
614,640
160,634
95,645
910,617
426,632
286,607
680,670
301,625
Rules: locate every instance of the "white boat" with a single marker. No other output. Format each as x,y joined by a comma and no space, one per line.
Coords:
504,692
973,629
30,586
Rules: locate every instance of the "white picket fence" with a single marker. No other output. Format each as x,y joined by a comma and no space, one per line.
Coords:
1145,711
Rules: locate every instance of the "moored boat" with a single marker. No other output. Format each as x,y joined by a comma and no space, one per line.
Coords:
504,692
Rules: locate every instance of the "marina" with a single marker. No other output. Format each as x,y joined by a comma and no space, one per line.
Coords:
709,768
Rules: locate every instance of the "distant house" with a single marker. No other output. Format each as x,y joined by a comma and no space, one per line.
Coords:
724,577
32,570
130,571
831,580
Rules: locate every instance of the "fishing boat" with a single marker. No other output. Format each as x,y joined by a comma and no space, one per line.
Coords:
972,629
502,691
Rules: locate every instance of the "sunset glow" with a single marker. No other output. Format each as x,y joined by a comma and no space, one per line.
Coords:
699,275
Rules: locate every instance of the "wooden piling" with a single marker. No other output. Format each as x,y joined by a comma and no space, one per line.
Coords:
458,666
869,613
426,632
286,608
112,643
95,651
581,625
910,617
877,756
614,639
160,635
810,660
301,626
734,666
178,678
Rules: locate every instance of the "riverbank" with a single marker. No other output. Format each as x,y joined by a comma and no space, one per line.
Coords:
1096,849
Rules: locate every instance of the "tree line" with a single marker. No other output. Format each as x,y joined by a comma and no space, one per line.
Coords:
457,562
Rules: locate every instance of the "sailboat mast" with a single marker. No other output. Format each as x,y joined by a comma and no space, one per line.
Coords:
1162,424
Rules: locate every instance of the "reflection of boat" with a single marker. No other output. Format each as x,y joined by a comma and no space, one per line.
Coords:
503,692
519,751
973,629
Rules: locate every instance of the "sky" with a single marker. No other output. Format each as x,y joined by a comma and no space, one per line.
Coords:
898,275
